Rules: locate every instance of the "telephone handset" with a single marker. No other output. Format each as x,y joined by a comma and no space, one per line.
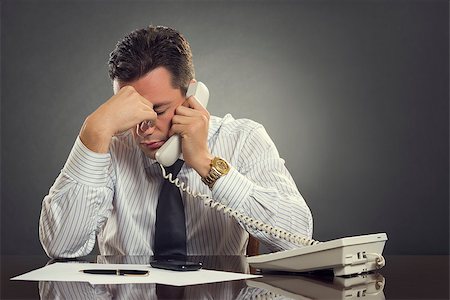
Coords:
168,154
346,256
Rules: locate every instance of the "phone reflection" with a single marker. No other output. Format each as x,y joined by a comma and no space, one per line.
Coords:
367,286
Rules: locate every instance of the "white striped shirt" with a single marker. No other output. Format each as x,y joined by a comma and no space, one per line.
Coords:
113,197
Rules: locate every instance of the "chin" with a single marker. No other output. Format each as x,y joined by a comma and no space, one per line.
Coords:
149,153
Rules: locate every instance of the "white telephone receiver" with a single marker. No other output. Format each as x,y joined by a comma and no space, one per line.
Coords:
168,154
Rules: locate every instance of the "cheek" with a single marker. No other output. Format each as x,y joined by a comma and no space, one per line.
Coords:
165,121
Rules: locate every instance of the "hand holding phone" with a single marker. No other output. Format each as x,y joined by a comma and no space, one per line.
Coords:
168,154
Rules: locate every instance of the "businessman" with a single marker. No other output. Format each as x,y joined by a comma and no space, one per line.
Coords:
111,187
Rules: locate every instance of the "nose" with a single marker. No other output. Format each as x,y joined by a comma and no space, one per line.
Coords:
145,128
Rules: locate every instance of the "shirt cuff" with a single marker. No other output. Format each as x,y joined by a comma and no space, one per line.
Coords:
232,189
86,166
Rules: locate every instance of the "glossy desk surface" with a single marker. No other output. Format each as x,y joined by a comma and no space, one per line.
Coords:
403,277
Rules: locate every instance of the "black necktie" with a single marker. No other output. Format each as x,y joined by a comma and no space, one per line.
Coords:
170,225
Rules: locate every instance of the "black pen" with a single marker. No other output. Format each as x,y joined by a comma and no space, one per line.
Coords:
124,272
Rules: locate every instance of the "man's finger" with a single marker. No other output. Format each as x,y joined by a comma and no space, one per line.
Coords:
177,129
187,111
181,119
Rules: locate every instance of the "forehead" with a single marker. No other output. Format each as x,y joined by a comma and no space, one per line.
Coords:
155,86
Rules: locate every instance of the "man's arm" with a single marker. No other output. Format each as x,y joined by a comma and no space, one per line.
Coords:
79,201
261,187
78,204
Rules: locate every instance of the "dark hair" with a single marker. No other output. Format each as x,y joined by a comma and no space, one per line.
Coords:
145,49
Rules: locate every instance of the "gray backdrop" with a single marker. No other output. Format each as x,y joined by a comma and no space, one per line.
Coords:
354,94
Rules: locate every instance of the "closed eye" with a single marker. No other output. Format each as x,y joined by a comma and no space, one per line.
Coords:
161,108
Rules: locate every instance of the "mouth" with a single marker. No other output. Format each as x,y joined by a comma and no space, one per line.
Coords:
152,145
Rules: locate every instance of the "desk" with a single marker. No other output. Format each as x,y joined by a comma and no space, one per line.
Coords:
403,277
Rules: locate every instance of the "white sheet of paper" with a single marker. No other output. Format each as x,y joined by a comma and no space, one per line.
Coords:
71,272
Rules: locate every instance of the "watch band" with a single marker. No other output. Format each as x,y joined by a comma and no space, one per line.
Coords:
219,168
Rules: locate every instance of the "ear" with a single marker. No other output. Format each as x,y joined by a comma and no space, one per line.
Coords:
193,80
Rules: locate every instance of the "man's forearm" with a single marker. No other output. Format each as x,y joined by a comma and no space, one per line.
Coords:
95,137
281,207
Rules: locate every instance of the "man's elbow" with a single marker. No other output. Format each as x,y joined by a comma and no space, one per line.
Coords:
55,248
52,249
57,251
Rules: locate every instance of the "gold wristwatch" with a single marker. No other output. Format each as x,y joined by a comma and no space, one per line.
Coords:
219,168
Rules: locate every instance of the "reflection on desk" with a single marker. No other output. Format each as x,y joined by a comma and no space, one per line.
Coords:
83,290
369,286
407,277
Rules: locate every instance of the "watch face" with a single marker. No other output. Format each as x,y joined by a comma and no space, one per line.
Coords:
222,166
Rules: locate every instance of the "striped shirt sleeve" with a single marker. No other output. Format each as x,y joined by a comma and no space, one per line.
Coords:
261,187
78,204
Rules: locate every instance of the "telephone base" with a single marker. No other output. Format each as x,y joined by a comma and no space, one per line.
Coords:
345,256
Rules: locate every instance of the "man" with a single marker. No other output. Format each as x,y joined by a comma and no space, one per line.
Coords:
111,182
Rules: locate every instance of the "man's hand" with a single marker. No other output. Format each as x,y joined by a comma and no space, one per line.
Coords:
191,122
121,112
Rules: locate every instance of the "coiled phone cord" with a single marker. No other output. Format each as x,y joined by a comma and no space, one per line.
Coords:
379,260
249,221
